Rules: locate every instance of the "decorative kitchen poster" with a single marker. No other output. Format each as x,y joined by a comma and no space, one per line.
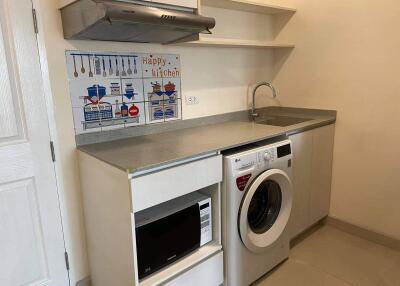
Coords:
119,90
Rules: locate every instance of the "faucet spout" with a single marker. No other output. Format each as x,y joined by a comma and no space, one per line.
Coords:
254,114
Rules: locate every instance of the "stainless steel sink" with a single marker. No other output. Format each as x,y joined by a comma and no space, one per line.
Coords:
282,121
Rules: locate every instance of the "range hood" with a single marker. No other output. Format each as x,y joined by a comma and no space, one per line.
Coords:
125,21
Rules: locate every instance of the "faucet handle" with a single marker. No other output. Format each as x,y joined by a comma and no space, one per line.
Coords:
254,114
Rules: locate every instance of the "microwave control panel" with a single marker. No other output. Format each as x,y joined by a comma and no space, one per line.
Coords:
205,221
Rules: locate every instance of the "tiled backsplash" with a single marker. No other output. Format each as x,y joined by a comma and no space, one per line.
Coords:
119,90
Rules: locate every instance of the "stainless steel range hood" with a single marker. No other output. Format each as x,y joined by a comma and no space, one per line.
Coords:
123,21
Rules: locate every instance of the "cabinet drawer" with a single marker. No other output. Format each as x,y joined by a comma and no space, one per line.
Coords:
155,188
209,272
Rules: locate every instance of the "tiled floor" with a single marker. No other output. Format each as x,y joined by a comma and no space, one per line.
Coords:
330,257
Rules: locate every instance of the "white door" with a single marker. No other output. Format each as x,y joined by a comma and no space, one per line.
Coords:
31,237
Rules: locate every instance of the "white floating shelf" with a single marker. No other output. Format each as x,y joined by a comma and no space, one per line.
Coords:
237,43
249,6
182,265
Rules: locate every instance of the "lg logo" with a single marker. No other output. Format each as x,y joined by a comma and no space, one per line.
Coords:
237,160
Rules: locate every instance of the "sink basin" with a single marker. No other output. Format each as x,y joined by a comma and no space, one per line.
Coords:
282,121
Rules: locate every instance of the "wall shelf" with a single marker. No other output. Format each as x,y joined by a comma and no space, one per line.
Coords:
236,43
248,6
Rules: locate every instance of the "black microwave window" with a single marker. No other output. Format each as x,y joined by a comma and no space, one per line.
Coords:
164,241
284,150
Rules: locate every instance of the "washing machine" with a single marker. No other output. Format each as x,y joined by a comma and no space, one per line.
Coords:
256,204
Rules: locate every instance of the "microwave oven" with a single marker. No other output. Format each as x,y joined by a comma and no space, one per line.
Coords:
171,230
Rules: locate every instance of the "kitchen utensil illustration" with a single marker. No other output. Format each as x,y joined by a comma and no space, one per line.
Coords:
96,93
82,67
110,70
169,92
157,95
157,113
123,67
75,73
97,66
134,66
169,111
115,88
169,87
133,111
124,110
104,67
117,110
116,66
90,67
129,90
129,71
101,111
156,87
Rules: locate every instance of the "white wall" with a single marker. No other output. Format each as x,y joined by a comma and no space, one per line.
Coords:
347,58
219,77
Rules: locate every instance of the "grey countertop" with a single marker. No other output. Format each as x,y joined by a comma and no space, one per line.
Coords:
146,152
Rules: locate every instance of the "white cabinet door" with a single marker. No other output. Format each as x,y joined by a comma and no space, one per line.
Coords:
209,272
312,176
183,3
322,157
31,239
302,157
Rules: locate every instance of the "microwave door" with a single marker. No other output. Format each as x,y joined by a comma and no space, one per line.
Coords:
165,240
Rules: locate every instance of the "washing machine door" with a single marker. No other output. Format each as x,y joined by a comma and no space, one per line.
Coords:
265,210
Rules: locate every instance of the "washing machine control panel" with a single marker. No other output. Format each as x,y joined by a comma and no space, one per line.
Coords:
268,155
245,162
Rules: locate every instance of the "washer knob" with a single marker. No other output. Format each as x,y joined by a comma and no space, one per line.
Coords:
268,156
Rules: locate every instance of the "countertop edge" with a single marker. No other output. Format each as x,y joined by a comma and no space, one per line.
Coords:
177,160
286,133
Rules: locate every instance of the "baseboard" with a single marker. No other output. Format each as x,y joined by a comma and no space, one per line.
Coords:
364,233
306,233
84,282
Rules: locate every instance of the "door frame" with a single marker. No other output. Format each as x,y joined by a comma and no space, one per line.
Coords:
50,110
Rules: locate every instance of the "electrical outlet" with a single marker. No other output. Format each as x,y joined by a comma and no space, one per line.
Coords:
192,100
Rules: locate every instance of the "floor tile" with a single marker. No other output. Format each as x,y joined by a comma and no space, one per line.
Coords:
331,257
391,276
296,273
348,257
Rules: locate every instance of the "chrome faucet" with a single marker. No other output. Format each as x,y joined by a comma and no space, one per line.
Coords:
254,114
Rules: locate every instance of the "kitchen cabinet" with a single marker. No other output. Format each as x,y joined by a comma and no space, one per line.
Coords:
259,7
255,30
312,176
321,172
112,198
182,3
301,179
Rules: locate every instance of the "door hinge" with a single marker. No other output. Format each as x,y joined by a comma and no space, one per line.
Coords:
35,23
66,260
53,154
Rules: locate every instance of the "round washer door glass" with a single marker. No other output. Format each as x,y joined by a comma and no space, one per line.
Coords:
265,206
265,210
